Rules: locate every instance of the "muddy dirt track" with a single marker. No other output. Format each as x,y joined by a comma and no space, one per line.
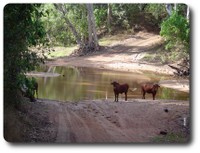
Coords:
105,121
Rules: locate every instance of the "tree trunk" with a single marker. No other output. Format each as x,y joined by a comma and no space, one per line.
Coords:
175,6
96,43
188,13
169,9
61,8
182,68
109,17
90,39
93,40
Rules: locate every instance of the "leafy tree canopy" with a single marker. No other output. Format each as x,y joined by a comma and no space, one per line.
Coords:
22,30
176,31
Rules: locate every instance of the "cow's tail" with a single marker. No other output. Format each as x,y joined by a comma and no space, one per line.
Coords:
132,89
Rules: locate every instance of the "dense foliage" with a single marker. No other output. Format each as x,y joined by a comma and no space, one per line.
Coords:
22,30
120,16
108,17
176,31
111,18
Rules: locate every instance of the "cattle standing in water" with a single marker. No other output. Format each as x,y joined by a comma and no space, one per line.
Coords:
117,88
149,88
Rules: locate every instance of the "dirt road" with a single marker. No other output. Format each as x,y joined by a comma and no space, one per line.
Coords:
103,121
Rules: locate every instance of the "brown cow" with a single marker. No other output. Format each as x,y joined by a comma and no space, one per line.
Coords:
117,88
149,88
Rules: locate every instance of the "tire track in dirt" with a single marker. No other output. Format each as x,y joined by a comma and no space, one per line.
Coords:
110,124
77,126
63,129
87,125
105,122
98,125
71,127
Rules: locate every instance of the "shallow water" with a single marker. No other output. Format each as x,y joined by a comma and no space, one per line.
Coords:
78,83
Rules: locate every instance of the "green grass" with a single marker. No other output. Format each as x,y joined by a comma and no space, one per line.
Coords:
105,41
159,55
66,51
155,58
163,56
109,39
61,52
171,138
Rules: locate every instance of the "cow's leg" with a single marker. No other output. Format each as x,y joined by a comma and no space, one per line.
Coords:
125,96
143,97
117,97
153,96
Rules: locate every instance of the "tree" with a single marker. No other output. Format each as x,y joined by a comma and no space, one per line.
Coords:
22,30
63,11
169,8
87,41
176,31
109,17
175,6
93,40
188,13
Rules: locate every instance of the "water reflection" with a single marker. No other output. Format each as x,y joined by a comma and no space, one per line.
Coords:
76,83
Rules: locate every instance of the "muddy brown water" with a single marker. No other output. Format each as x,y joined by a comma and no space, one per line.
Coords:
78,83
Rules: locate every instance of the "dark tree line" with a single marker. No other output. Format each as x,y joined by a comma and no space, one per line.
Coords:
22,29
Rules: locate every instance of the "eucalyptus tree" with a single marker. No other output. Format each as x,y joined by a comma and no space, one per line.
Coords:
92,40
109,17
85,34
64,12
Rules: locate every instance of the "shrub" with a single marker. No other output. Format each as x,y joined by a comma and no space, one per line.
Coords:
176,31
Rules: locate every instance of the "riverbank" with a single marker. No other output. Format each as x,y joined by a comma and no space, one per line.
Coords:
124,55
100,121
127,56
